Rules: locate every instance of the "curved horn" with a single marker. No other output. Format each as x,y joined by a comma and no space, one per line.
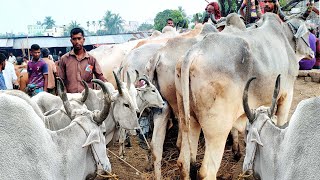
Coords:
63,95
275,95
103,114
146,80
245,104
118,83
128,80
137,75
119,72
86,91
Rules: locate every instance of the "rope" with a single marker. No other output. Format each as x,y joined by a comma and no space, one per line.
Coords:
125,162
245,174
109,176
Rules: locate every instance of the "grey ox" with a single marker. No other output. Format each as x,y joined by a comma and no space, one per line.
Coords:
213,74
283,154
30,151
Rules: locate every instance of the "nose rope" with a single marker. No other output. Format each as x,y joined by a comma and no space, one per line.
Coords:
97,161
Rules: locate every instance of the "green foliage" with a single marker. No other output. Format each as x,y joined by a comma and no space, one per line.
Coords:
48,22
198,17
145,27
72,24
160,20
113,23
282,2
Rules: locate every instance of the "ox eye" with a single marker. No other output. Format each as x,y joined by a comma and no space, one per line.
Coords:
126,105
153,90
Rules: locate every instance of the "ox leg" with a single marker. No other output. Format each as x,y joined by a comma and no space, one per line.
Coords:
283,108
215,130
122,138
185,153
159,132
194,139
235,144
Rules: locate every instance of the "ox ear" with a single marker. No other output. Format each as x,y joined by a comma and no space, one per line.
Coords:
93,137
256,137
301,31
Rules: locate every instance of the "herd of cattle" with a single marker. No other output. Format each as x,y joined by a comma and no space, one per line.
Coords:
201,75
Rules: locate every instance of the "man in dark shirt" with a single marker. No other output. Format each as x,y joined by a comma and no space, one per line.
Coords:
78,65
37,71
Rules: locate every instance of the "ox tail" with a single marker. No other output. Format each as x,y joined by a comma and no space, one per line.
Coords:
185,92
151,69
185,87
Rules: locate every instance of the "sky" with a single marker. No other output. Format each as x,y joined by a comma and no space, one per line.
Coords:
16,15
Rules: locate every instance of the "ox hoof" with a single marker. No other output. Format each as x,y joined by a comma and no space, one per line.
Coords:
193,171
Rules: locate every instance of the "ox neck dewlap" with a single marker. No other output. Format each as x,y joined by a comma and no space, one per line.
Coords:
250,165
97,160
117,124
294,31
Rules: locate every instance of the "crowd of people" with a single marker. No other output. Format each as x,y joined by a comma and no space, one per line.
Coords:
41,70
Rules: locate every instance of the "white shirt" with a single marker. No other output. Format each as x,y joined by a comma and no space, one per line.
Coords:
12,59
9,75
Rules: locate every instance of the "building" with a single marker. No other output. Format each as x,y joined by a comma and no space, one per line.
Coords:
36,30
20,45
54,31
131,26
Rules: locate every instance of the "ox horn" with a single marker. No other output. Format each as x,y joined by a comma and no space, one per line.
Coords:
275,95
146,80
128,80
103,114
246,107
118,83
86,91
119,72
63,95
137,75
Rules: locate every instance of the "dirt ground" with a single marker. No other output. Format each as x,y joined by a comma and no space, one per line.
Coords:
229,170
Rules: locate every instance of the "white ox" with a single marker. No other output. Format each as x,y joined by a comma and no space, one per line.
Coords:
213,74
161,69
31,151
283,154
55,116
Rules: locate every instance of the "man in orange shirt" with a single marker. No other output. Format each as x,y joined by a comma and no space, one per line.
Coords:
51,70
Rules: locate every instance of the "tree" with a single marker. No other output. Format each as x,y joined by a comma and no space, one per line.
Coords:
113,23
48,22
197,18
145,27
160,20
73,24
229,6
88,24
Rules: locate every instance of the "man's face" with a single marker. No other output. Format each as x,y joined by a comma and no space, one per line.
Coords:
36,54
268,6
210,9
170,23
77,41
3,65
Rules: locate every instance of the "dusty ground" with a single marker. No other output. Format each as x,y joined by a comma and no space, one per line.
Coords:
230,169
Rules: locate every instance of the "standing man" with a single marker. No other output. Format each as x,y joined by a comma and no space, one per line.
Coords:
253,11
212,12
51,70
78,65
10,76
170,22
37,71
12,58
2,66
